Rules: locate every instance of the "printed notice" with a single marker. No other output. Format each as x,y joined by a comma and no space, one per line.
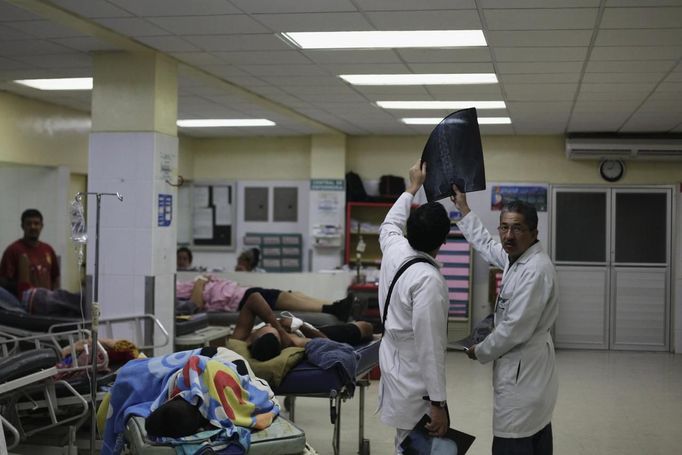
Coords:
203,223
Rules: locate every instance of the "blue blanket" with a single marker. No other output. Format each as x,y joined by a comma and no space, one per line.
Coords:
325,353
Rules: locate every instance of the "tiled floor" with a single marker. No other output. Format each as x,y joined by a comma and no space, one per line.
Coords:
620,403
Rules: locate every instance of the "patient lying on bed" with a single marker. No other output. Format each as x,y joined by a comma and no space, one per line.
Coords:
208,293
267,342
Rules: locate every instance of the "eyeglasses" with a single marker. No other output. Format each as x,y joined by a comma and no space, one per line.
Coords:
515,228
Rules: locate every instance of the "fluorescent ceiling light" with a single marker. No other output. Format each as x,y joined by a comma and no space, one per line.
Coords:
386,39
419,79
226,122
437,120
70,83
441,104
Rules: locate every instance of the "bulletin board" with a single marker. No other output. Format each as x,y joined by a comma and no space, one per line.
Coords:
210,221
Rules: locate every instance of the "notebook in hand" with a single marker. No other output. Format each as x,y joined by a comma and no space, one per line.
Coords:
453,154
418,442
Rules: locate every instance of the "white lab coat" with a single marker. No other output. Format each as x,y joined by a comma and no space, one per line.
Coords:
412,353
524,372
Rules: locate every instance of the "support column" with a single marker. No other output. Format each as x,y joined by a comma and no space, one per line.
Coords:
134,151
327,200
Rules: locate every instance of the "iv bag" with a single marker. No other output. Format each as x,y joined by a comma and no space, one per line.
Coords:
79,232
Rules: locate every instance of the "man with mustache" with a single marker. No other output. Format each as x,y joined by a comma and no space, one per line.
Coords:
520,344
29,253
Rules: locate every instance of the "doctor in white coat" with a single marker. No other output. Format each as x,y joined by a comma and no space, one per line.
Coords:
412,353
520,345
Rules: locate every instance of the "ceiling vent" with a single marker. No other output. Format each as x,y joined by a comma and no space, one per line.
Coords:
601,148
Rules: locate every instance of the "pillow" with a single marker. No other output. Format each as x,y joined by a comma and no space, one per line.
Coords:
273,370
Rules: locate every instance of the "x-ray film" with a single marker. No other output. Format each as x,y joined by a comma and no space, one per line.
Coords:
453,154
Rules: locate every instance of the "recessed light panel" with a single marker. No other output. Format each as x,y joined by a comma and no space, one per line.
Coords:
420,79
71,83
386,39
224,122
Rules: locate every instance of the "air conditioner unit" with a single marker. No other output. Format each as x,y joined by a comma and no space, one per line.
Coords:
601,148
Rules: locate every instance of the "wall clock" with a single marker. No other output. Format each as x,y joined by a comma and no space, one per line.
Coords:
611,170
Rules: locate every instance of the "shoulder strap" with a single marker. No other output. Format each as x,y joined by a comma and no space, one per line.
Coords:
400,271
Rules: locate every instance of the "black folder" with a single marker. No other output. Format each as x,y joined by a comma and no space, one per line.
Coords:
453,154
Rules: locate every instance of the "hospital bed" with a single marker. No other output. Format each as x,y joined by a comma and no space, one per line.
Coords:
308,380
331,286
281,438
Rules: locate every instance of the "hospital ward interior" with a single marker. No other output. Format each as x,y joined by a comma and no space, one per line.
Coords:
196,198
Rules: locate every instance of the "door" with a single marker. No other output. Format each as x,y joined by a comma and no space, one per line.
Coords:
611,247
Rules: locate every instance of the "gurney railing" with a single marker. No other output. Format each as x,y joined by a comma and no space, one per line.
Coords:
143,329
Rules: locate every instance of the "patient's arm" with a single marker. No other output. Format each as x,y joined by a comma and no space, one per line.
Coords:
197,296
256,306
311,332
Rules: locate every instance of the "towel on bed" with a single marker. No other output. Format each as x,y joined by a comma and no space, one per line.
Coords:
325,353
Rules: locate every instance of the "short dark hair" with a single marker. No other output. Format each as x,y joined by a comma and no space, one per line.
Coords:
184,249
265,347
252,256
174,419
31,213
427,227
530,214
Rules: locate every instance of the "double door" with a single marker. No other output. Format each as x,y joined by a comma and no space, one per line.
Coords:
612,251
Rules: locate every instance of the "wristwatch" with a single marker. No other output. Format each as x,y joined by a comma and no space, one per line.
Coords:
440,404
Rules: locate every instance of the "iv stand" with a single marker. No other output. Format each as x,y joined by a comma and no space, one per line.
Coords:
94,309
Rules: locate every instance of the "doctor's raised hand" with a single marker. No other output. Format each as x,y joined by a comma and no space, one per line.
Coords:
460,200
417,177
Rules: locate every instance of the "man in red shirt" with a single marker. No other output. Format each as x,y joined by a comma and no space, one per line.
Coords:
28,262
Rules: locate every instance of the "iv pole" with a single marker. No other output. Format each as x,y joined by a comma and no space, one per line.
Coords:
95,319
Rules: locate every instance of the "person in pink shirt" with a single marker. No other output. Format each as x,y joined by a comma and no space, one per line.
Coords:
212,294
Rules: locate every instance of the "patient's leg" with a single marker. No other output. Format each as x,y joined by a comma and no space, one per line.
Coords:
298,301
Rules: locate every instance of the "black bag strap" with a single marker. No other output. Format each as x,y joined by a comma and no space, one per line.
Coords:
400,271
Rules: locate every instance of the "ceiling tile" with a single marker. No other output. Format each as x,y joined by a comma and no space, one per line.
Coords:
628,3
643,66
86,44
541,19
11,64
251,42
286,70
540,54
622,77
544,38
636,53
410,5
167,43
92,8
314,22
196,58
8,33
538,3
366,68
10,13
45,29
426,20
539,68
596,123
540,92
641,18
353,56
472,54
614,95
548,78
176,7
208,25
642,122
262,57
645,87
428,68
377,92
293,6
587,106
639,37
485,92
132,26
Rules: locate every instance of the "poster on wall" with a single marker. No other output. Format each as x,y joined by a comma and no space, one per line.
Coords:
533,195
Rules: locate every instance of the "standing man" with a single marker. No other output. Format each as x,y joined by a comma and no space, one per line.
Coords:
524,374
43,269
412,353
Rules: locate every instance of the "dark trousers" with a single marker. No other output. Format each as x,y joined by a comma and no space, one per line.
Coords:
538,444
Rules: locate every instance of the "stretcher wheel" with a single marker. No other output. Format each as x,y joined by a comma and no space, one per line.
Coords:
364,450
